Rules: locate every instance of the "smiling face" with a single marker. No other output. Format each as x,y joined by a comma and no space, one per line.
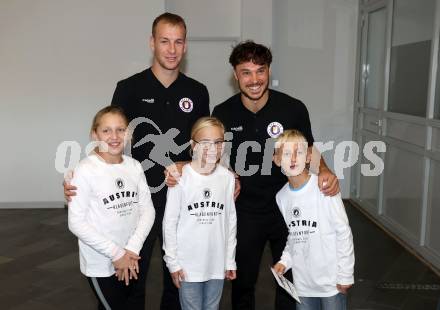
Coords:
111,132
168,45
253,79
292,156
207,146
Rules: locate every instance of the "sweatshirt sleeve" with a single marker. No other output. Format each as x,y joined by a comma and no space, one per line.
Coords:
169,226
344,241
232,228
286,258
146,215
78,224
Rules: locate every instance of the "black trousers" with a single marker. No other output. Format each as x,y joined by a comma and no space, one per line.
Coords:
170,294
111,293
253,231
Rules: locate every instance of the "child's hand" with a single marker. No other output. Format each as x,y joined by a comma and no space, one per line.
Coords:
177,277
134,264
119,273
343,289
122,275
279,268
124,264
231,274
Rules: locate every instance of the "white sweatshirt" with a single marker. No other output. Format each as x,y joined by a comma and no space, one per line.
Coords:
112,211
199,225
319,248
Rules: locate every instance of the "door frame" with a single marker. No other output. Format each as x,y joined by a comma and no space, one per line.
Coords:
428,151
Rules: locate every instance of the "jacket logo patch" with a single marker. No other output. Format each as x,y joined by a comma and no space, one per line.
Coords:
274,129
186,105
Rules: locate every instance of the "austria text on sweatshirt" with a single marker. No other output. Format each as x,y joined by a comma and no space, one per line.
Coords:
112,211
199,225
319,248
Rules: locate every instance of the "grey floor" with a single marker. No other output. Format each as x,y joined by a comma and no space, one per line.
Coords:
39,268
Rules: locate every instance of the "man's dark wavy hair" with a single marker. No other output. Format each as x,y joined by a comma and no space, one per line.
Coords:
250,51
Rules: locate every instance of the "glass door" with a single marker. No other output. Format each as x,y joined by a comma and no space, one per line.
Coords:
398,104
371,95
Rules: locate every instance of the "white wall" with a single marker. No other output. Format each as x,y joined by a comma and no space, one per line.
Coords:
208,18
257,17
60,61
213,29
314,47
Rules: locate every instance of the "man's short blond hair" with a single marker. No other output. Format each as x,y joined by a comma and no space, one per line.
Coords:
168,18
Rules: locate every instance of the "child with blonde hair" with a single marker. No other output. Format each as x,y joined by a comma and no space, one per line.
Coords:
199,225
319,247
111,213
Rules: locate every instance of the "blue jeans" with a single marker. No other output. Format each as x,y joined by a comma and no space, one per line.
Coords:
200,295
337,302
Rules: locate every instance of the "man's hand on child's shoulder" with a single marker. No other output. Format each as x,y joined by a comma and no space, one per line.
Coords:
173,172
69,189
328,182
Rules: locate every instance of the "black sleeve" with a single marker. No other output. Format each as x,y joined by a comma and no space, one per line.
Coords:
306,128
215,112
121,96
219,113
205,100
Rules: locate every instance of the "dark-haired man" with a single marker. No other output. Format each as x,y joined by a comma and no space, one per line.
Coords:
259,114
171,100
